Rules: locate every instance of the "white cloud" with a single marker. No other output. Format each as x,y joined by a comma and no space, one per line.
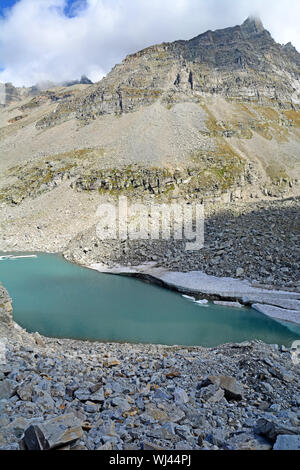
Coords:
38,42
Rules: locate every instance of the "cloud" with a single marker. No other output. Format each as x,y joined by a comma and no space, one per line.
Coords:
53,40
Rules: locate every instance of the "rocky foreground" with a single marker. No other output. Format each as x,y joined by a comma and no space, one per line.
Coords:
79,395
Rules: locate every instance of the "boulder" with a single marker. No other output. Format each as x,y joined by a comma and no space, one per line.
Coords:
54,433
98,396
147,445
211,393
180,396
111,362
287,442
233,390
7,389
272,428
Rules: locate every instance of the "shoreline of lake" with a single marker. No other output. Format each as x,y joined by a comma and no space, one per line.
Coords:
74,302
281,305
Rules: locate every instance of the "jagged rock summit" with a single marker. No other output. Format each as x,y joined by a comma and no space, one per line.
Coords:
253,25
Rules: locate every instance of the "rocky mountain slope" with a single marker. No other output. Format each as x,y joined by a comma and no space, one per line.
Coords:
240,63
215,119
229,97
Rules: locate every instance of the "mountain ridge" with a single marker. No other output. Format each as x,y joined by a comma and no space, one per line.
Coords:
240,63
226,116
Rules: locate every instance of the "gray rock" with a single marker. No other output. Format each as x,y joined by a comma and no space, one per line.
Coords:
7,389
82,394
180,396
95,387
121,403
108,429
25,391
98,396
247,441
109,445
53,433
111,362
211,393
218,437
161,395
287,442
182,445
44,399
282,374
272,428
39,340
147,445
165,413
91,407
232,388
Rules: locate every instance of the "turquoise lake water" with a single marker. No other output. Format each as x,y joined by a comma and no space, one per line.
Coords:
60,299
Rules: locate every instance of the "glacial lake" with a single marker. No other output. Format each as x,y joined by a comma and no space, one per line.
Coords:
63,300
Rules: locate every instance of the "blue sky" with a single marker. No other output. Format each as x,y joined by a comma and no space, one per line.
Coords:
7,4
58,40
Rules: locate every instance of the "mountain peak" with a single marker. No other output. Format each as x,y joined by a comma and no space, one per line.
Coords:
253,24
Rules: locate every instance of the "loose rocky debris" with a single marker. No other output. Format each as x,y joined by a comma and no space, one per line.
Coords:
80,395
246,240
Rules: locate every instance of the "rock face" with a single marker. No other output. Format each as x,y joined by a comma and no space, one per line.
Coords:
240,63
188,116
83,81
14,94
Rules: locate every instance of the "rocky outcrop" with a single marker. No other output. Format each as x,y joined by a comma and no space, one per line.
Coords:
212,174
12,94
5,308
